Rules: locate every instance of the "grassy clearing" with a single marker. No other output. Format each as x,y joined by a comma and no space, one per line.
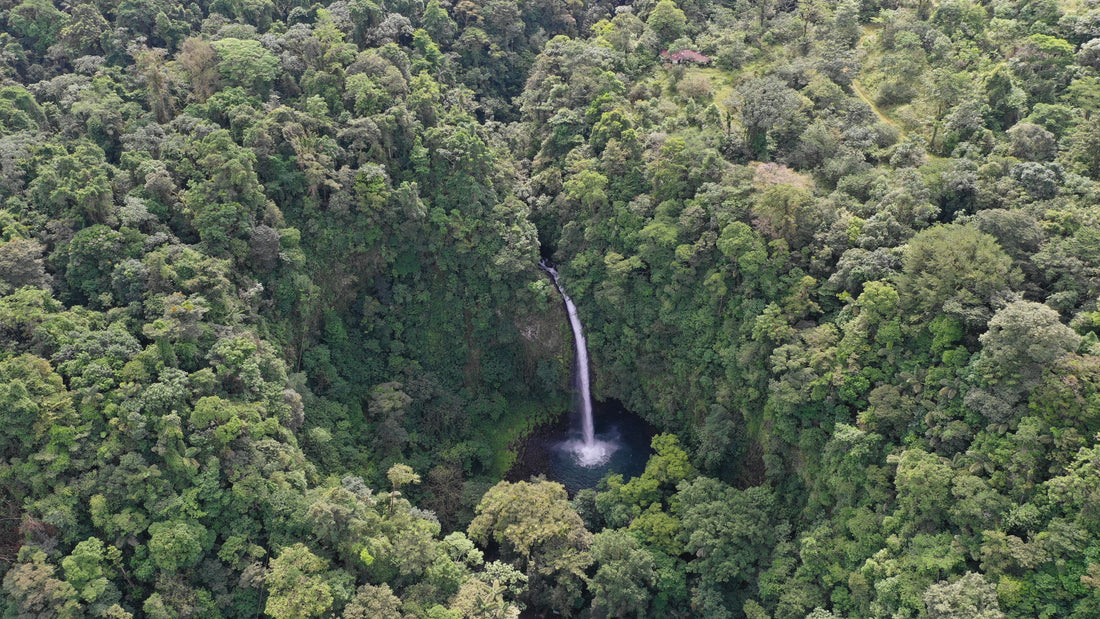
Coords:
721,81
858,89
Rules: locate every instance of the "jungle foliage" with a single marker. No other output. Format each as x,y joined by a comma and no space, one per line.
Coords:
270,314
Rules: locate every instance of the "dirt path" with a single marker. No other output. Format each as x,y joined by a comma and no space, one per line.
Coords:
874,108
868,33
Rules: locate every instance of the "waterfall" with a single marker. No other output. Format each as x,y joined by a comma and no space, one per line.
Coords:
590,452
584,391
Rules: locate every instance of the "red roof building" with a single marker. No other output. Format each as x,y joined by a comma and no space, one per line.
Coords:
685,56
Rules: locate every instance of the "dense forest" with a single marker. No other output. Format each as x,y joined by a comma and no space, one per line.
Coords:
272,324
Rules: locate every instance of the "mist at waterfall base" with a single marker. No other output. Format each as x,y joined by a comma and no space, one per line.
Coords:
550,450
623,442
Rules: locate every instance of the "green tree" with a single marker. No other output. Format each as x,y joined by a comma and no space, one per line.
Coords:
625,574
534,523
1041,62
788,213
923,483
955,270
1032,142
730,532
371,602
438,23
1070,392
1024,338
35,402
296,584
21,265
85,569
1084,150
1004,98
969,597
768,109
177,544
666,21
388,405
400,475
33,591
38,22
75,184
18,110
245,63
94,253
478,599
86,31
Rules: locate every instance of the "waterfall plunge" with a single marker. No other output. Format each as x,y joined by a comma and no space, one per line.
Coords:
589,451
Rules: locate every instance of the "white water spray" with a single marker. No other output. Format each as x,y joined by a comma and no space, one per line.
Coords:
589,451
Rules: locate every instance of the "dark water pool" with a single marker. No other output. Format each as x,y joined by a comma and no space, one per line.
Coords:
551,451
